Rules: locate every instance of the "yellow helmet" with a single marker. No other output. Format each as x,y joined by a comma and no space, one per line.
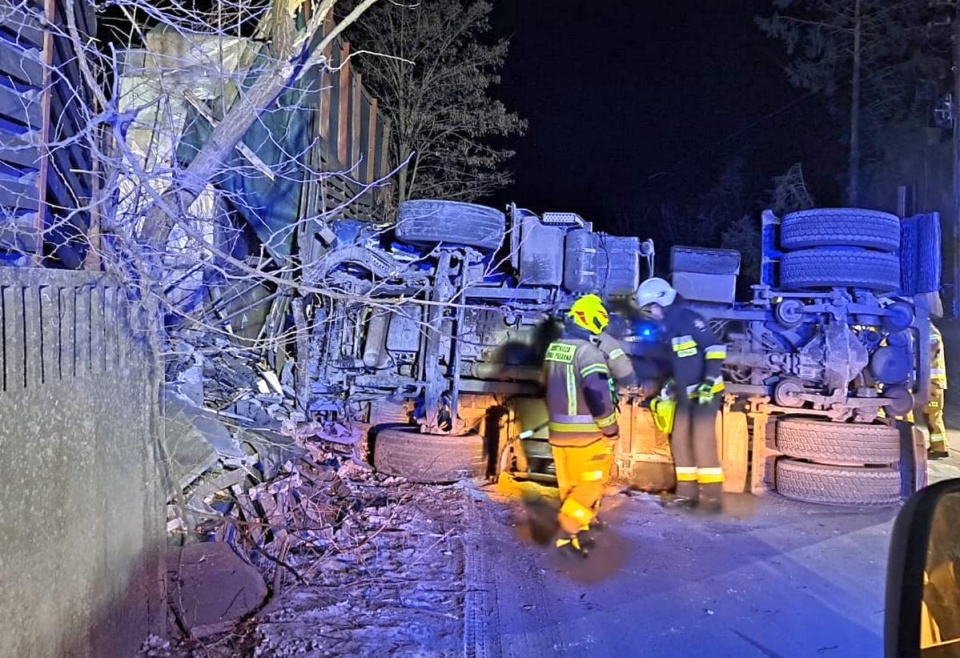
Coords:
589,313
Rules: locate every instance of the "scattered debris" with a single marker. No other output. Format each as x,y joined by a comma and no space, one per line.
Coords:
349,562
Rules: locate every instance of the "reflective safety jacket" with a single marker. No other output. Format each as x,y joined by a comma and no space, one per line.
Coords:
621,368
579,402
697,353
938,364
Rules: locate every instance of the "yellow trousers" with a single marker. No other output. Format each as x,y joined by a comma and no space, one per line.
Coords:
582,473
934,413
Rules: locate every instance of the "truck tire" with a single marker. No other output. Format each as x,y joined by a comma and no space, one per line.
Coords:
428,458
839,268
838,485
451,222
820,440
840,227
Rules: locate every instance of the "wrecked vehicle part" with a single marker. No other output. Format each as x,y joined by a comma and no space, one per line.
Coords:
441,320
827,347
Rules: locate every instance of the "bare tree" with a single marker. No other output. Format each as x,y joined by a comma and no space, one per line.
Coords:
436,92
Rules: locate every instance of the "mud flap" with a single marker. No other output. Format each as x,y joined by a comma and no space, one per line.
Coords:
913,459
733,447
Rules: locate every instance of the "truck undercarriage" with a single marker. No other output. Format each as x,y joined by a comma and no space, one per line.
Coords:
431,333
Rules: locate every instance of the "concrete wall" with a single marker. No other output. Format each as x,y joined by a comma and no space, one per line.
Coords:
81,520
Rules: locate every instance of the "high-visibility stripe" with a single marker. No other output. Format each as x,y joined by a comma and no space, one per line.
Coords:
716,352
560,352
689,344
592,476
936,438
686,473
709,479
717,387
608,421
573,427
575,418
616,353
586,371
571,391
574,509
937,371
686,338
710,475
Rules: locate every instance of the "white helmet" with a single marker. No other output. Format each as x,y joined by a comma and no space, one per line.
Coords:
655,291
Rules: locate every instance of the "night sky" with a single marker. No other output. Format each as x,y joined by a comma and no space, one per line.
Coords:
616,94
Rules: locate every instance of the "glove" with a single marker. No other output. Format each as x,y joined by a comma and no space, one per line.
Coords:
705,392
614,393
669,389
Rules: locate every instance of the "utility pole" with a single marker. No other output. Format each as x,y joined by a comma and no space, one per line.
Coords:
853,165
953,257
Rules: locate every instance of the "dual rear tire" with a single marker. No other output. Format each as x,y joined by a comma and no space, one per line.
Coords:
838,463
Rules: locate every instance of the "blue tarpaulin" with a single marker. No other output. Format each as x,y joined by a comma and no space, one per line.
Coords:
280,139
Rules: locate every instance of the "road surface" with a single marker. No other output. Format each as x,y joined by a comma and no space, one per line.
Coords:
788,579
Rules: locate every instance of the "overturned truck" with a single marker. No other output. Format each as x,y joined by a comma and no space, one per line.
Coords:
830,351
431,334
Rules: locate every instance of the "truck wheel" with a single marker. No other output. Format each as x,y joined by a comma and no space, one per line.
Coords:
838,443
838,485
840,227
428,458
451,222
840,268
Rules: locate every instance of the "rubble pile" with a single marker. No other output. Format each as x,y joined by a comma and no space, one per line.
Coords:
354,563
395,590
238,383
312,552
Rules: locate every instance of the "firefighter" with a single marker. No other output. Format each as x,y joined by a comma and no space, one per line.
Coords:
934,409
582,420
622,373
697,355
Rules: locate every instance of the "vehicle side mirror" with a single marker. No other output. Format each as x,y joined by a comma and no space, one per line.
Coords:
922,617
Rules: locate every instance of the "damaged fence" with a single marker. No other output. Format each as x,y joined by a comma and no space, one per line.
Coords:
80,526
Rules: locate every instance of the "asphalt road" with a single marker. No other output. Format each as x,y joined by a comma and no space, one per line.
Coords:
791,580
785,579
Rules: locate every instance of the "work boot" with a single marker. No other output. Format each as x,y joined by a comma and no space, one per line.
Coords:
709,506
937,452
669,501
596,523
578,544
